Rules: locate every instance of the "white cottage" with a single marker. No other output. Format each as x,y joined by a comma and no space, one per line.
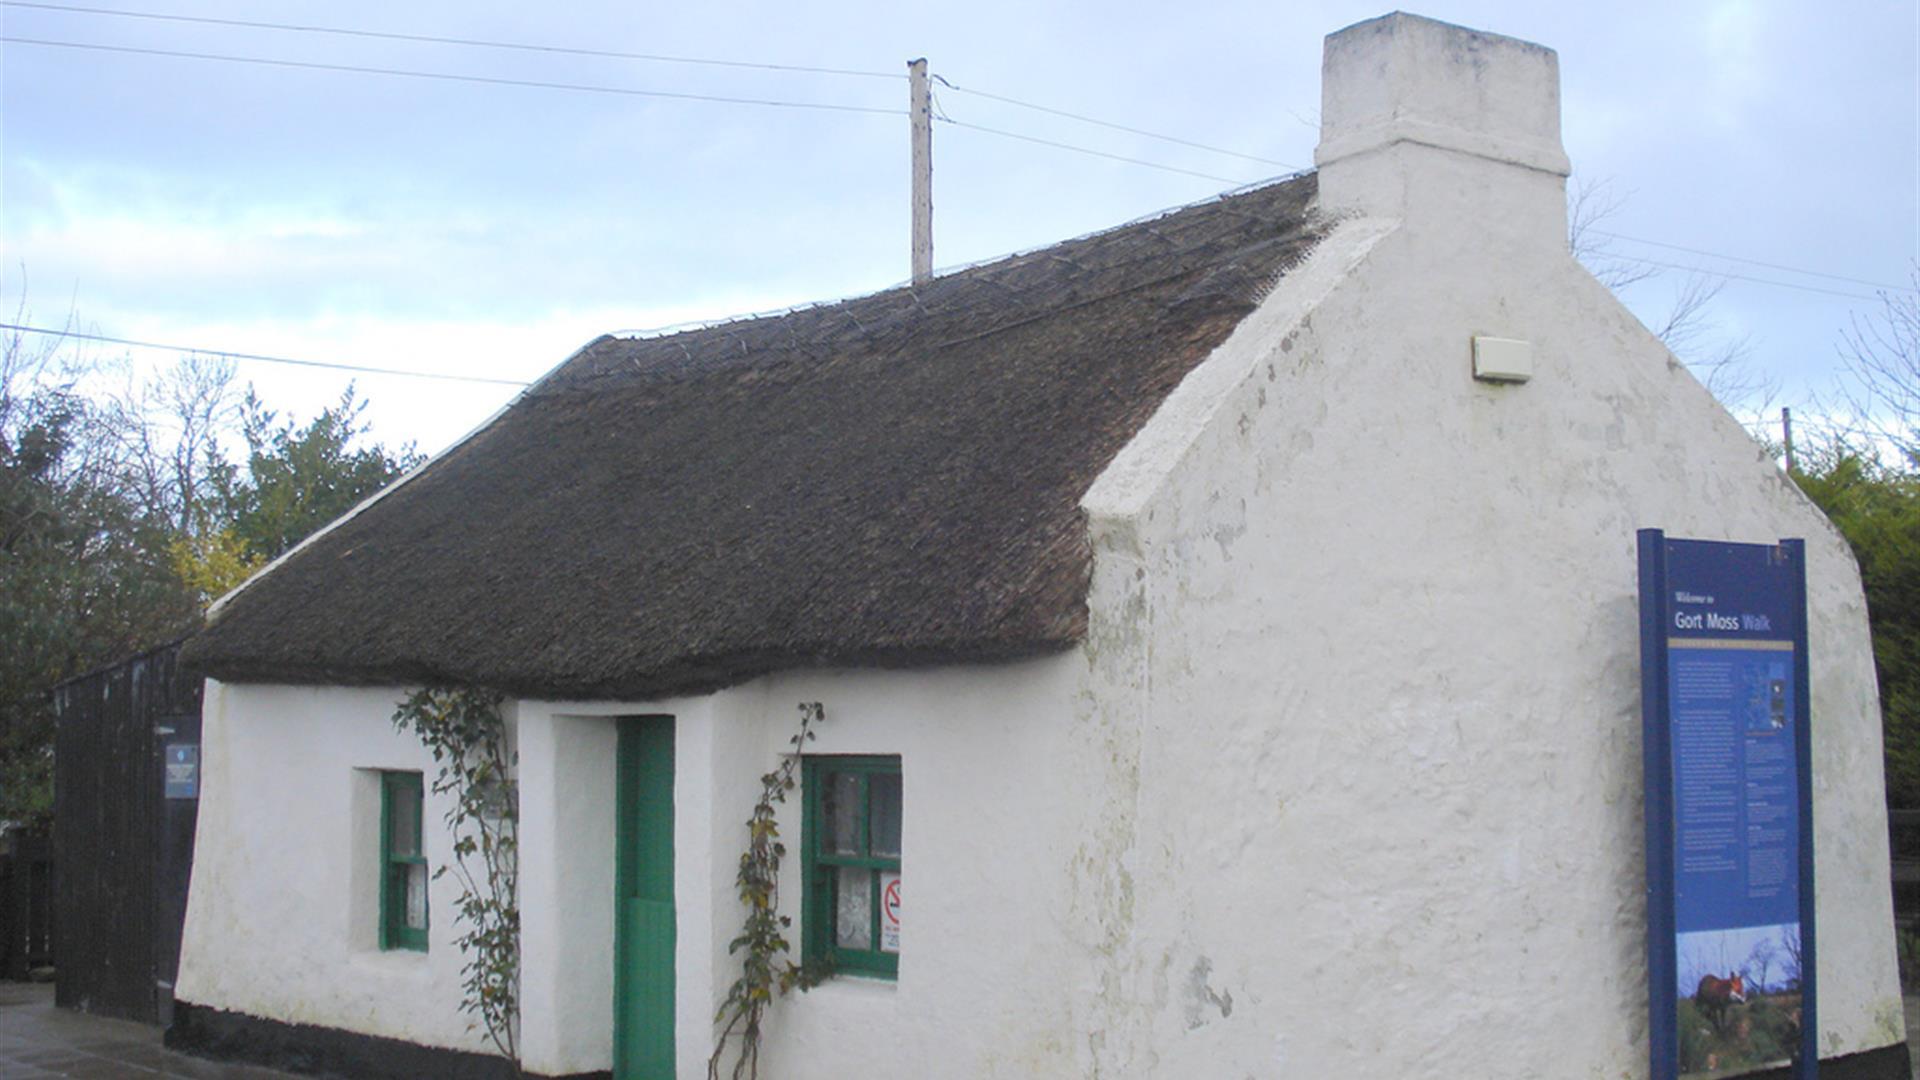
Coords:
1231,647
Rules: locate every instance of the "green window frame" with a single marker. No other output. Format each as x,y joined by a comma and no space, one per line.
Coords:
403,863
851,886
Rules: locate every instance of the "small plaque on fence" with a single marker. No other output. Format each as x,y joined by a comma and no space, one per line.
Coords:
183,771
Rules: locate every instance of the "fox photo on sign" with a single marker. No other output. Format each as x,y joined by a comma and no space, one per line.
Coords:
1729,853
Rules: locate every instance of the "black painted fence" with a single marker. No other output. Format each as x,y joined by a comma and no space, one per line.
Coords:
123,850
26,906
1904,828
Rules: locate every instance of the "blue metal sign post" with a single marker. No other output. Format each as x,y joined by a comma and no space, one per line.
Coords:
1729,801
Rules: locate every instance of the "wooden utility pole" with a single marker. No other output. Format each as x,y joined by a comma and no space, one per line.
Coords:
1786,428
920,111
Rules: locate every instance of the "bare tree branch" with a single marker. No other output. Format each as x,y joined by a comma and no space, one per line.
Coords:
1589,204
1881,353
167,428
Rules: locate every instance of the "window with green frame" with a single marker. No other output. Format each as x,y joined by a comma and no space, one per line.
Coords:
403,863
851,901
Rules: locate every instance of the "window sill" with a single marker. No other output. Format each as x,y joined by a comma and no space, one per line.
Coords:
396,962
857,986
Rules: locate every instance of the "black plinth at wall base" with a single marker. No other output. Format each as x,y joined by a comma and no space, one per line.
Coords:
230,1036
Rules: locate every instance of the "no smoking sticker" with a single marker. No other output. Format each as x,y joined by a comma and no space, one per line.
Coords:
890,912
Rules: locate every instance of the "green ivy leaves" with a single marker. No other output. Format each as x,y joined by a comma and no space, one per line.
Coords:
464,730
762,945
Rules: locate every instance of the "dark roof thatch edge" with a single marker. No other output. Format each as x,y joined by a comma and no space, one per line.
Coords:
213,609
705,675
715,661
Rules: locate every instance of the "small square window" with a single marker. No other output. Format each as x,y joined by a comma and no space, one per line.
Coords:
403,863
851,839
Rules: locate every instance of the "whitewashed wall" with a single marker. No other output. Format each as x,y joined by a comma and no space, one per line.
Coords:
1390,765
999,789
283,913
1384,620
567,867
997,794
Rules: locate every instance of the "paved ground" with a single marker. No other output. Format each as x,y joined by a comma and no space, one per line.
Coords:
38,1040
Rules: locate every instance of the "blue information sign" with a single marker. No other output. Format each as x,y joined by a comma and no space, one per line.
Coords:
1730,935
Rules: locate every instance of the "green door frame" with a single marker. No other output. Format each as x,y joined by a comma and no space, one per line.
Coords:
643,982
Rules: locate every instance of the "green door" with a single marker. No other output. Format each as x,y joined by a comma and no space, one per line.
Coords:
643,905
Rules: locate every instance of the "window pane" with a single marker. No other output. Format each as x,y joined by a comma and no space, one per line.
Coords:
843,813
853,908
417,896
404,818
883,794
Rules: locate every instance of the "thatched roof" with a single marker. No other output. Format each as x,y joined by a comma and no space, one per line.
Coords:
886,481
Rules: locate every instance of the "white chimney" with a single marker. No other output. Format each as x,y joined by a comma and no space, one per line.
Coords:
1420,118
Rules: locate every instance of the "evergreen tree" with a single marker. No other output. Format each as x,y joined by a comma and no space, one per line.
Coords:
1877,508
299,478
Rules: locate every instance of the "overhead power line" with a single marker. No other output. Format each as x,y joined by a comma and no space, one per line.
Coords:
1753,262
1709,271
482,43
815,105
1116,127
230,355
949,84
1086,150
443,76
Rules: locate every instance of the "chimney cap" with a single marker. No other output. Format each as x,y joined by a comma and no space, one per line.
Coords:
1406,78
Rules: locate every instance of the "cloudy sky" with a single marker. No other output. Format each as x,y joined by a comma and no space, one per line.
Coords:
489,230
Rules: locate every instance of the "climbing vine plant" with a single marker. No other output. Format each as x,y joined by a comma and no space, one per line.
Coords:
765,969
464,729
